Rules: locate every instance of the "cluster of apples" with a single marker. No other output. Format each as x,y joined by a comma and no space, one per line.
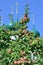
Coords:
25,19
22,60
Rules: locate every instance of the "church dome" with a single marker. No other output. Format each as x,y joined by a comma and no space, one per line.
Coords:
36,33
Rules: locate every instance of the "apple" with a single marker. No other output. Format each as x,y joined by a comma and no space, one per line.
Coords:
9,51
15,62
22,53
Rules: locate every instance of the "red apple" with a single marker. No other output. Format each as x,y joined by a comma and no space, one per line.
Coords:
22,53
18,62
15,62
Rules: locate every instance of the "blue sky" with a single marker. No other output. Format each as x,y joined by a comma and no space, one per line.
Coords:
36,9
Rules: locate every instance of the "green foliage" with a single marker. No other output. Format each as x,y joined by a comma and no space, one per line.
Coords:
27,9
10,50
19,46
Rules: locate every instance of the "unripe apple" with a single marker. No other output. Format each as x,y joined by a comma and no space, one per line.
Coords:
9,51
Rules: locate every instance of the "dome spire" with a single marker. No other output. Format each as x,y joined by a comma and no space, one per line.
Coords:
37,34
17,11
11,9
1,19
33,24
11,16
